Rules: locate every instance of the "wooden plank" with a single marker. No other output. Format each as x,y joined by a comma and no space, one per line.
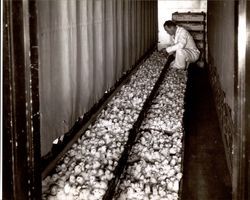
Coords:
241,140
192,26
247,105
21,93
189,16
34,152
7,178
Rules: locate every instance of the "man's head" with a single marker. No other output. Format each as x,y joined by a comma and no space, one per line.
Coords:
170,27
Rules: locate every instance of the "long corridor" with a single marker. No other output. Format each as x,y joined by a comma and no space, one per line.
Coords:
206,176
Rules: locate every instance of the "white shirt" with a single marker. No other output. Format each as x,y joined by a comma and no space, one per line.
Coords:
182,39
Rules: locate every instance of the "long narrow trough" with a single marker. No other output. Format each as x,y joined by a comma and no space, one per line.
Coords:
91,163
134,149
50,160
133,135
155,162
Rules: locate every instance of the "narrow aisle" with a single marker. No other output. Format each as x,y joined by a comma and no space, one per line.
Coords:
206,176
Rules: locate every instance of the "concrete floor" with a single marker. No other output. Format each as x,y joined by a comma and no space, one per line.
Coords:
206,176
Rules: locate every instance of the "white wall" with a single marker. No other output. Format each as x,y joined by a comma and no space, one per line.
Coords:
167,7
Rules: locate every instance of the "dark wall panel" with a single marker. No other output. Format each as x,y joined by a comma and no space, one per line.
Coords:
85,46
222,57
221,44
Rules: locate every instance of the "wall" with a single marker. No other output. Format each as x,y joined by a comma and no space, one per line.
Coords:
167,7
85,46
221,39
221,57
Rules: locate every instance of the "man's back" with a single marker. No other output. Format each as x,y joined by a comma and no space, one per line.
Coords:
183,36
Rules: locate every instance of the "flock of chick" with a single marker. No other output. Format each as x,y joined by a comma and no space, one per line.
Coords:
154,165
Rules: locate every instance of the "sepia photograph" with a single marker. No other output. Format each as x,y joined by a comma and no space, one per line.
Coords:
125,100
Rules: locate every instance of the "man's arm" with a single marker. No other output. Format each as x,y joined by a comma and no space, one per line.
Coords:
164,51
181,43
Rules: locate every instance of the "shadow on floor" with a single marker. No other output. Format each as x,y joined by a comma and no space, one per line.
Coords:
206,176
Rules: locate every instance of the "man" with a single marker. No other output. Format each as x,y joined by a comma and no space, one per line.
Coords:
184,46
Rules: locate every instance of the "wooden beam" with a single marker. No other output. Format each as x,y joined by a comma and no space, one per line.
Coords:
241,143
247,103
21,102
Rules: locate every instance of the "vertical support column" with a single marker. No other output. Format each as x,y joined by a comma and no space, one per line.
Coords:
7,108
34,149
247,103
241,145
21,102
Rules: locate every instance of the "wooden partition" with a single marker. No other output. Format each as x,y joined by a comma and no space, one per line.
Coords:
221,19
21,122
228,50
241,143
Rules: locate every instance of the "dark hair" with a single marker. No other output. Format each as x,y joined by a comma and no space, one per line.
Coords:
169,24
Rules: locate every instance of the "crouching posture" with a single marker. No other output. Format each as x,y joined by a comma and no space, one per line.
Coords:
183,47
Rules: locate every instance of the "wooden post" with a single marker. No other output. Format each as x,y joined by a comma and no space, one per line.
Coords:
241,143
21,119
247,103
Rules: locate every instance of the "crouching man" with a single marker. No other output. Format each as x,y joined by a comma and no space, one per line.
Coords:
183,48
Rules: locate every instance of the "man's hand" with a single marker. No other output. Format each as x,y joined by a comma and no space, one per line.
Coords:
164,51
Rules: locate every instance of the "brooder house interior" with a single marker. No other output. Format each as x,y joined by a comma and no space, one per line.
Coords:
128,99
